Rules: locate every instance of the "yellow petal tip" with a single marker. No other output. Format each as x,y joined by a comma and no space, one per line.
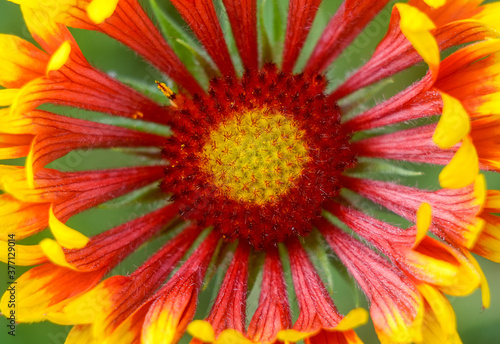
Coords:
424,219
453,125
59,57
100,10
55,253
435,3
416,27
66,236
202,330
463,168
355,318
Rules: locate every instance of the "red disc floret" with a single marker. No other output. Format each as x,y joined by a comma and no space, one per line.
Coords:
298,97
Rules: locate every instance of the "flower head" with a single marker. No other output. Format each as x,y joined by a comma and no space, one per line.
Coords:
251,168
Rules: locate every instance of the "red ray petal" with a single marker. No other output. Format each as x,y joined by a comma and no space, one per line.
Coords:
228,311
317,310
414,102
454,211
201,17
80,85
22,218
188,279
59,135
349,20
243,17
109,248
128,24
301,15
129,292
178,298
273,313
432,261
414,144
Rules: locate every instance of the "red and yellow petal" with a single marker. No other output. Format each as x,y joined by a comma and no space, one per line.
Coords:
439,324
123,20
228,310
20,61
22,218
455,212
457,22
46,285
134,326
485,132
317,311
397,318
24,255
471,75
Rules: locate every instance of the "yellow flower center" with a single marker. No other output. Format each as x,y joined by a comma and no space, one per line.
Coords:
255,157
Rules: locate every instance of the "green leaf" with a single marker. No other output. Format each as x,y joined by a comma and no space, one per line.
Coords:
149,89
228,35
368,167
255,267
137,124
205,64
274,16
148,194
178,39
278,20
316,245
353,104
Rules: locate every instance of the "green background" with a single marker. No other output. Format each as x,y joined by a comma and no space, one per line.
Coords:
475,324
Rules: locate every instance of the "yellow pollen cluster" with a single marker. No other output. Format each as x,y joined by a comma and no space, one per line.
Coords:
255,157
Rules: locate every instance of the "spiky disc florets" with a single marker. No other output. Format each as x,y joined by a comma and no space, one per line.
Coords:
288,149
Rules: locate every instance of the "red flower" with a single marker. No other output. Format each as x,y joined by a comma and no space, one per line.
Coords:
247,169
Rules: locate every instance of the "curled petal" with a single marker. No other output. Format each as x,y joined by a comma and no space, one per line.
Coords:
416,27
453,125
463,168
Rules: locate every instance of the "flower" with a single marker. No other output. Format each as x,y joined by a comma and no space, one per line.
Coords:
251,172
